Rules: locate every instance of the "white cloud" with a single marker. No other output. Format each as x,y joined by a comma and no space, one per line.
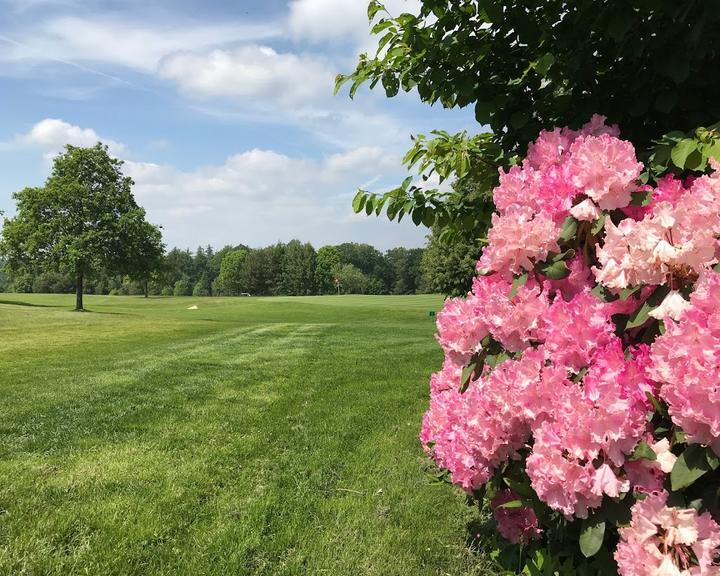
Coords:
321,20
51,135
124,43
339,20
254,72
261,196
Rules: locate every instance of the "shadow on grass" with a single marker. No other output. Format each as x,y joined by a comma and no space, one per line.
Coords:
30,304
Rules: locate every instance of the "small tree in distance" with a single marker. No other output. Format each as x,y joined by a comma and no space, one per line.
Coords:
83,221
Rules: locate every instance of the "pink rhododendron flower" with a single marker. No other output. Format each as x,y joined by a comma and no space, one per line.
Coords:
671,307
517,240
678,237
573,330
604,419
596,127
567,391
605,169
517,525
686,361
474,432
586,211
665,540
512,322
460,330
550,148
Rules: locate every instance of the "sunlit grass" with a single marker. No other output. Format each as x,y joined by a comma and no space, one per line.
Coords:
250,436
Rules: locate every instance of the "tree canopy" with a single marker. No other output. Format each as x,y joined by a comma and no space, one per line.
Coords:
649,66
84,221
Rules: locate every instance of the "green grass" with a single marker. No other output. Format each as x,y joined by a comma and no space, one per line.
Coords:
250,436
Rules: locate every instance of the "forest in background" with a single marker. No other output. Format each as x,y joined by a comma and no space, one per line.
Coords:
283,269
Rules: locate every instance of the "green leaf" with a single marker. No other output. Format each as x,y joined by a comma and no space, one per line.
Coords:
712,459
373,8
417,215
641,198
519,119
484,111
643,451
625,293
518,282
592,533
512,504
642,314
519,487
603,294
569,229
358,202
682,150
555,270
690,465
544,63
598,226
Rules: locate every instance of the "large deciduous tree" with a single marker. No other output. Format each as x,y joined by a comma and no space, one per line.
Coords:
83,221
648,65
297,269
327,263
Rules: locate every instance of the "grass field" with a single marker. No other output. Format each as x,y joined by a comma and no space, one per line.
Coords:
250,436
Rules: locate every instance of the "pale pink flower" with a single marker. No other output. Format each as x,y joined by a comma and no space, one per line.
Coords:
596,126
605,169
686,361
672,307
663,540
586,211
460,329
517,240
514,322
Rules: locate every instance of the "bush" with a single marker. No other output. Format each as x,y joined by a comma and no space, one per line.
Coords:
578,400
182,287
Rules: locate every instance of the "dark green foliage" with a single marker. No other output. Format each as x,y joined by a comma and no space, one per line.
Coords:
528,66
297,270
292,269
83,222
228,282
449,269
525,66
327,262
406,269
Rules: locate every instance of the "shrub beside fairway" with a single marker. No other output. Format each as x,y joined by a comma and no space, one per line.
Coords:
249,436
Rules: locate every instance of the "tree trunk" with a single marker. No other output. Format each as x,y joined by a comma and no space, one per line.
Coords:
147,292
79,294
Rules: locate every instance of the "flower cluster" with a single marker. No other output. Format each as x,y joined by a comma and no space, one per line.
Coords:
556,372
686,361
667,540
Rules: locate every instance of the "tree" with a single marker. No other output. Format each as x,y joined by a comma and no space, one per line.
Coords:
229,281
526,66
78,222
449,269
145,251
297,269
370,262
327,262
352,280
405,264
177,264
260,272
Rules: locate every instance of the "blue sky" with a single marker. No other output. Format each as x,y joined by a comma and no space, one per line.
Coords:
222,111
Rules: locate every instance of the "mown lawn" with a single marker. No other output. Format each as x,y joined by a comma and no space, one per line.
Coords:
250,436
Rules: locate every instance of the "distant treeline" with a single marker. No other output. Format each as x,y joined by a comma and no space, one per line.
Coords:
292,269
